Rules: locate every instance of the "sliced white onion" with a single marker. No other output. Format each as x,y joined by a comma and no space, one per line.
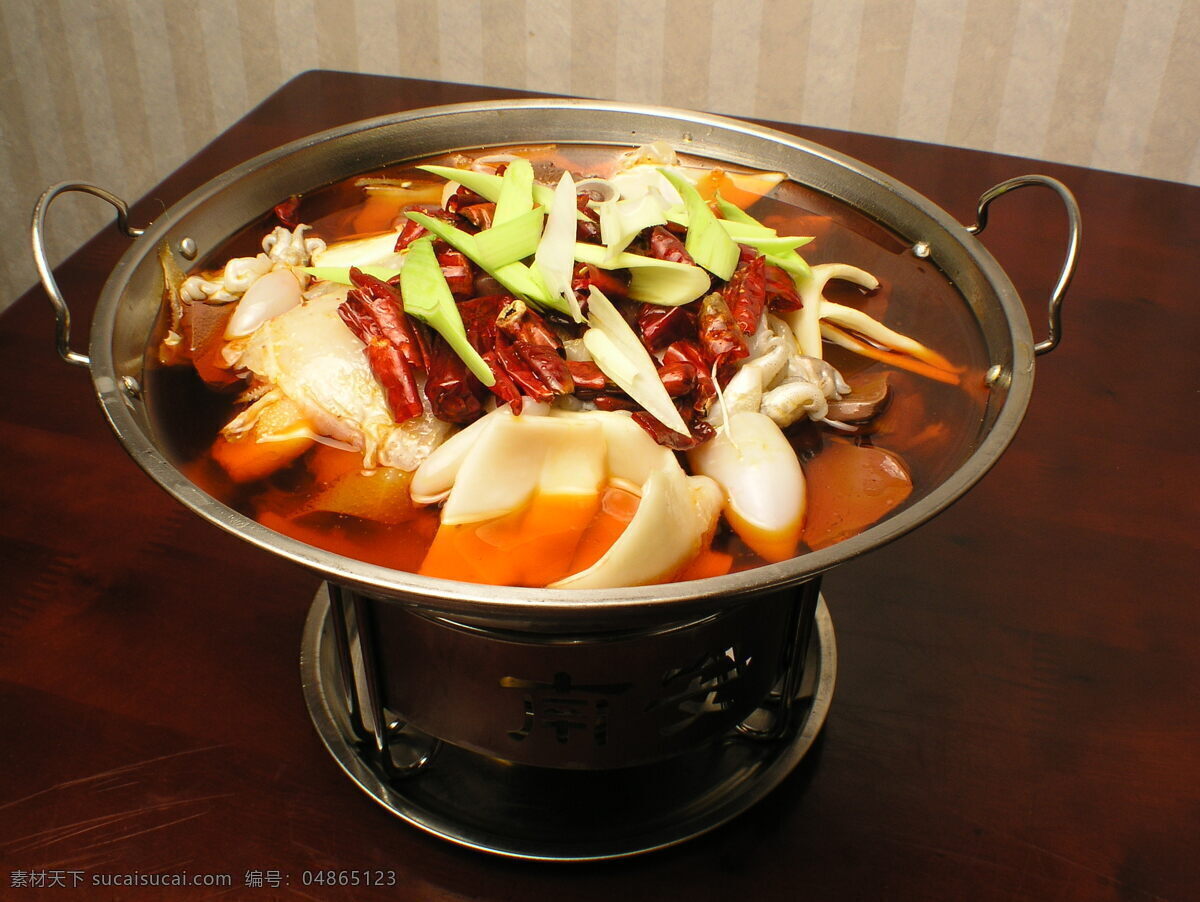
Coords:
555,256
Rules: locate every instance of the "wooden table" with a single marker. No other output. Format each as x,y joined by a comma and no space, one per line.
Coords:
1017,712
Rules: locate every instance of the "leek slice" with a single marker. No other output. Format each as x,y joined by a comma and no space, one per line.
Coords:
734,213
516,277
428,297
510,241
487,184
785,258
554,260
707,242
794,265
778,246
745,229
652,281
622,357
737,229
516,192
341,274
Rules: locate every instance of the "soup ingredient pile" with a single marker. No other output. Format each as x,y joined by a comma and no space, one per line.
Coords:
529,377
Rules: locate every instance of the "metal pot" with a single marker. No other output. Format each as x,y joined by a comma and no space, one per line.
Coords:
422,628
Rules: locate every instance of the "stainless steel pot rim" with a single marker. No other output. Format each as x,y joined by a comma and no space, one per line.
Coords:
457,597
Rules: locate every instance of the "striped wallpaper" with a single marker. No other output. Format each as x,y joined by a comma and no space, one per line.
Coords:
120,92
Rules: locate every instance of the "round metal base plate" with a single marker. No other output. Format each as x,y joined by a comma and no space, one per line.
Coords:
568,815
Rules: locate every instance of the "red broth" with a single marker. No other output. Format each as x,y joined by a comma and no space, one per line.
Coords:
927,431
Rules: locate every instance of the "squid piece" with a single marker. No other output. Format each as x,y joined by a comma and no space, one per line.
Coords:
519,457
765,497
675,515
436,475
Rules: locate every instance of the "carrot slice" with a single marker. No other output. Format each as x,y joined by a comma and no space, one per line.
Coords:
264,448
739,188
400,548
852,342
707,563
381,495
553,537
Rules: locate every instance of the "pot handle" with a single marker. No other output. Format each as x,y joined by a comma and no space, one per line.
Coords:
1074,229
62,313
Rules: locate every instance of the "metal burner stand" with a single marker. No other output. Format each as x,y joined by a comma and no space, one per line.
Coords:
549,813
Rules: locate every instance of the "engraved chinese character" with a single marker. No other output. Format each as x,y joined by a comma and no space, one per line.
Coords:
708,685
564,707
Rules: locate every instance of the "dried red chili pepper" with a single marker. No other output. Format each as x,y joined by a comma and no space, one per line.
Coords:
520,372
614,401
720,337
690,352
781,293
659,326
479,317
746,291
663,435
411,231
387,309
479,215
679,378
455,394
288,212
586,275
587,377
522,322
387,363
550,369
663,245
396,376
458,272
699,430
702,430
586,230
463,197
504,388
